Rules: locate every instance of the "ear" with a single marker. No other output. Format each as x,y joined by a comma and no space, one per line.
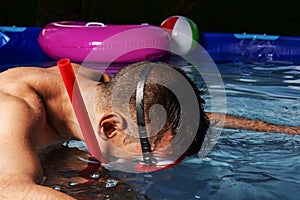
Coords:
110,123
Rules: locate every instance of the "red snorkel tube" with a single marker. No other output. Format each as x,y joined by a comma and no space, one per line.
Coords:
79,108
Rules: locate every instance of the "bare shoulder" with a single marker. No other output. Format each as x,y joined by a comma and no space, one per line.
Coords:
29,80
25,74
22,126
23,121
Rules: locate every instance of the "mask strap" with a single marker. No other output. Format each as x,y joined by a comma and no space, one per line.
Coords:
145,144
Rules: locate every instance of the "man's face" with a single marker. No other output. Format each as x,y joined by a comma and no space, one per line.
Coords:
129,157
120,147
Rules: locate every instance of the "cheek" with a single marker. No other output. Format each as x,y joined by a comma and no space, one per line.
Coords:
115,147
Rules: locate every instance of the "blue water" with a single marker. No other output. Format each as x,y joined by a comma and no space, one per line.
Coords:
243,164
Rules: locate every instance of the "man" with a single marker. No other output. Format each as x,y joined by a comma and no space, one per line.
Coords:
35,111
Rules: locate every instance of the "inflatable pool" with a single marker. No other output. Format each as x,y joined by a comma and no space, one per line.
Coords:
224,47
243,164
20,45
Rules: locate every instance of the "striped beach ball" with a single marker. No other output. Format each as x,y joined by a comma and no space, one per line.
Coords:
184,34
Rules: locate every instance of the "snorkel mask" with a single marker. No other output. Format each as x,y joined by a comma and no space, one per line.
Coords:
147,162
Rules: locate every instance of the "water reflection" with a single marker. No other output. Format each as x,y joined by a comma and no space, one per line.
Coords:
66,170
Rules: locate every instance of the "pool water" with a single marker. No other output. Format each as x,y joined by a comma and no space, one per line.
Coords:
242,165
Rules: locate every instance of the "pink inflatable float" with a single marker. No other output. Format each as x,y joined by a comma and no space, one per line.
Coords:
97,42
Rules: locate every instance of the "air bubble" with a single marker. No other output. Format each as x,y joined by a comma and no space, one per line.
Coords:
110,183
95,175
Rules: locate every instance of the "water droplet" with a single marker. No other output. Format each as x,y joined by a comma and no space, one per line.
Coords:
147,176
73,184
56,188
207,159
110,183
95,175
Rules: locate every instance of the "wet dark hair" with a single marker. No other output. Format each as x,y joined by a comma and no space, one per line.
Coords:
159,94
204,121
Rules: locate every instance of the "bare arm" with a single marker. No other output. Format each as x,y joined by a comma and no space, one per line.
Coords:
22,120
250,124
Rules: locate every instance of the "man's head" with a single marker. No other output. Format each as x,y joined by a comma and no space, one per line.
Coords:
171,104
